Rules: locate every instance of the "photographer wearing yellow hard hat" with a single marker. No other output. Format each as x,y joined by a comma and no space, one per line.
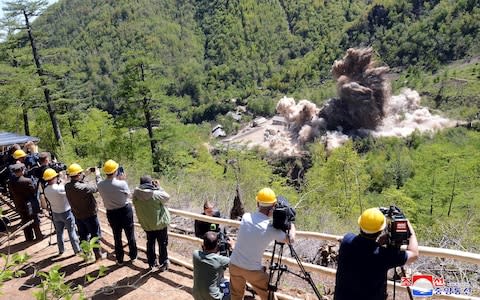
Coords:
62,216
115,193
84,206
363,261
256,232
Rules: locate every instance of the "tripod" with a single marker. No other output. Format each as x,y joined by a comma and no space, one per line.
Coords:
276,265
395,276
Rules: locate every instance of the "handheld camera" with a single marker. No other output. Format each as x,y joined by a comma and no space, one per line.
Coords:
397,230
58,166
120,171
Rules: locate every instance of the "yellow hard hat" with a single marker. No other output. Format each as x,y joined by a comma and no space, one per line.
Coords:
49,174
19,154
110,167
266,197
372,220
74,170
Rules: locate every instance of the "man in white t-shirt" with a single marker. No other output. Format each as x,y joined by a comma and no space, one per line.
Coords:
115,192
255,234
61,211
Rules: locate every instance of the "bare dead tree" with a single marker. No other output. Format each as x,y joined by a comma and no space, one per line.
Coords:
452,194
238,208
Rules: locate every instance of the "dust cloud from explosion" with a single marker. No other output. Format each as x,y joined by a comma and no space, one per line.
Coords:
364,106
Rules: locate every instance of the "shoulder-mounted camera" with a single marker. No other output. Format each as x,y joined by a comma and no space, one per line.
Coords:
283,214
223,245
397,230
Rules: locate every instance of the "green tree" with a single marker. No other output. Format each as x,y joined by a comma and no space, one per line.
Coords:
137,97
27,9
339,180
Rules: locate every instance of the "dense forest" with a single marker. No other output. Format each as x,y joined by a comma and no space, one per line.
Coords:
144,82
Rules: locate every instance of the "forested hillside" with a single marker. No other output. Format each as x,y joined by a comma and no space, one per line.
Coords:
144,82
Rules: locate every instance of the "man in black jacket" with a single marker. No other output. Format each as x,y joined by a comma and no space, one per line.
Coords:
25,199
202,227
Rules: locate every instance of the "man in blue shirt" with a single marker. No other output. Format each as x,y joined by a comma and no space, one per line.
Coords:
363,262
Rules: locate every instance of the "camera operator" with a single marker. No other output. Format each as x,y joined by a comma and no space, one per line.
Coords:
254,235
115,192
150,201
62,216
363,261
44,162
80,196
208,268
201,227
31,149
26,203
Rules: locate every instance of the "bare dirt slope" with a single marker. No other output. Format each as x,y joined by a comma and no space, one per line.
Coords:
130,281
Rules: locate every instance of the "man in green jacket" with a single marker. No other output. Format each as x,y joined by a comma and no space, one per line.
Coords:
208,269
149,200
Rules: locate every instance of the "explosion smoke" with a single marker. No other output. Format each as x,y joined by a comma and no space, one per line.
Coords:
364,106
362,89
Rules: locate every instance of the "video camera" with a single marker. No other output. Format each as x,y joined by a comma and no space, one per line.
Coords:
223,245
397,230
57,166
283,214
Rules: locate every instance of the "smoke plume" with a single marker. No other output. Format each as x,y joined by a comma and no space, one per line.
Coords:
362,90
364,106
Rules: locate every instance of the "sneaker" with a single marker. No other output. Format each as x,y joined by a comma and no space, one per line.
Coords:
163,267
102,256
133,259
153,268
119,263
39,237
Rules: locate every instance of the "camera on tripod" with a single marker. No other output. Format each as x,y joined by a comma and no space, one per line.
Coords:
283,214
397,230
283,217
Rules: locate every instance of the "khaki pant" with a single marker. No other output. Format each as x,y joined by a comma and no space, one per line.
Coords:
239,277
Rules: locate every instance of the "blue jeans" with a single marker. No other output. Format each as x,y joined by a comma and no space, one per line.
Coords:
62,221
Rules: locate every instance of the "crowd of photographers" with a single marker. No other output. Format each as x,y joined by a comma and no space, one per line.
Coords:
363,260
36,184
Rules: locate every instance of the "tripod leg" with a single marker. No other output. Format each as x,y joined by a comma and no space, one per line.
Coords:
50,212
275,266
306,275
408,288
